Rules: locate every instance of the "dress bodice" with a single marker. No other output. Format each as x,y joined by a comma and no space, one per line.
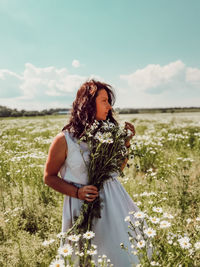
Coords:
74,168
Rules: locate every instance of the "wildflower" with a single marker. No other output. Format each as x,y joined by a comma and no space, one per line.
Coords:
100,260
74,238
184,242
57,263
153,263
150,232
154,220
89,235
137,223
167,215
66,250
46,242
131,212
157,209
122,245
197,245
165,224
61,235
127,219
139,215
141,244
81,254
189,220
92,252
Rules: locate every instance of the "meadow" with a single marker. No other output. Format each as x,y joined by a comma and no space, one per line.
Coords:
162,176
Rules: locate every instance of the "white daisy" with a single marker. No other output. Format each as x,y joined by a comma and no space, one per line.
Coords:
154,220
153,263
48,242
189,220
197,245
167,215
150,232
157,209
89,235
184,242
74,238
45,243
139,215
81,254
127,219
137,223
57,263
61,235
141,244
92,252
131,212
165,224
66,250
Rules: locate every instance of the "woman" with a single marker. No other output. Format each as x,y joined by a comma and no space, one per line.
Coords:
94,100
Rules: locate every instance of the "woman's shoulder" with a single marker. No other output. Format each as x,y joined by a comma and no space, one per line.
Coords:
60,141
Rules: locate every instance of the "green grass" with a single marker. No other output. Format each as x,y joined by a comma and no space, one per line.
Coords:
166,161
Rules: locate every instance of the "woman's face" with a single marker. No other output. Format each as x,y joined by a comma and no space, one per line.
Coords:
102,105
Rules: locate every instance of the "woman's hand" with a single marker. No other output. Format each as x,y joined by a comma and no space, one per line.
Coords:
88,193
130,127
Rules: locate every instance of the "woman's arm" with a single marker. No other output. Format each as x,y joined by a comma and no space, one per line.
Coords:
56,157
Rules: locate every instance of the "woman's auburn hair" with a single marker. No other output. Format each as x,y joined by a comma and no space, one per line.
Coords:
83,112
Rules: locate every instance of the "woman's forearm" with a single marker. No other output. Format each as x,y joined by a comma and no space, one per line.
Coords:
61,185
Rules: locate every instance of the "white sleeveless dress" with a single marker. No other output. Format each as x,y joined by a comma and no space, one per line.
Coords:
111,229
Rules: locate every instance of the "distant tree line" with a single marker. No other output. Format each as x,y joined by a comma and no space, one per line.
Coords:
156,110
8,112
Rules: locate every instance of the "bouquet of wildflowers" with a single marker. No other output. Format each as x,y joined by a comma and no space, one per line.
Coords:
106,144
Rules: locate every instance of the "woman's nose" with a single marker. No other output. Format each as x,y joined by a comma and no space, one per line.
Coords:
109,106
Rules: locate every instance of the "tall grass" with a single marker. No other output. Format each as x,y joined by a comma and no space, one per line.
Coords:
165,160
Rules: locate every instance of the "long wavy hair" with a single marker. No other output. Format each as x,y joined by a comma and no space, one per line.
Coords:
83,110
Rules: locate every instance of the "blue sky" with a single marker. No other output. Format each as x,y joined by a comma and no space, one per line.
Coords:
149,50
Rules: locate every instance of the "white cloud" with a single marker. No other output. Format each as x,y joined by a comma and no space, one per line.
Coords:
76,63
153,76
38,87
174,84
193,76
48,81
9,84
